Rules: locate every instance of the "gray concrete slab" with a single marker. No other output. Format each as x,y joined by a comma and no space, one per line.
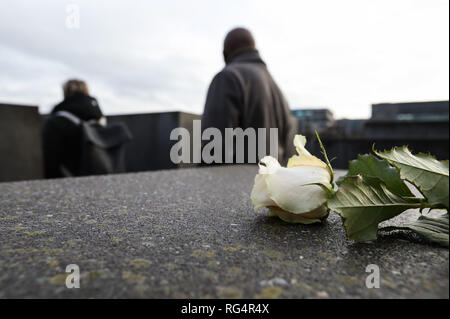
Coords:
192,233
21,155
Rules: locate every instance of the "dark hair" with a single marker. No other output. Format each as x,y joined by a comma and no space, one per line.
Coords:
74,87
238,39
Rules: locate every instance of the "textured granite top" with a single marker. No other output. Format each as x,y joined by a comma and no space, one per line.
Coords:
192,233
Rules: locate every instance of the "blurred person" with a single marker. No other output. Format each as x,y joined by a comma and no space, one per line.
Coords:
78,101
244,94
76,140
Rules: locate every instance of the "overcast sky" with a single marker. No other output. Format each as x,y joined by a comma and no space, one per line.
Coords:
150,56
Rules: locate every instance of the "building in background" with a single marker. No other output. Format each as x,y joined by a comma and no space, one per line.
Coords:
314,119
21,156
411,111
422,126
421,121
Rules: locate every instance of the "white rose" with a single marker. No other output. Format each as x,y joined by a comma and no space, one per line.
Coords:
290,192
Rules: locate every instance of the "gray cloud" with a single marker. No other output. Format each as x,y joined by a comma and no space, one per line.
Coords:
144,56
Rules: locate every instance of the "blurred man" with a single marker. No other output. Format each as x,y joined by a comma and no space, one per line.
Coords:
245,95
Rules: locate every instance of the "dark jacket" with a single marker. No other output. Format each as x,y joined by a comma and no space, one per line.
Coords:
62,138
245,95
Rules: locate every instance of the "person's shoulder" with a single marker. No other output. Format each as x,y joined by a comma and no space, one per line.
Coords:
93,100
226,74
88,100
88,107
231,68
58,107
54,122
244,67
241,70
94,107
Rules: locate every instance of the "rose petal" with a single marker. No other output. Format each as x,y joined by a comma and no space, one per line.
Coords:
304,158
296,160
260,196
271,165
314,217
286,187
299,143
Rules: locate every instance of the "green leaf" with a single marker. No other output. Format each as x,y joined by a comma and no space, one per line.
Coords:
324,153
363,202
429,175
340,180
432,229
369,165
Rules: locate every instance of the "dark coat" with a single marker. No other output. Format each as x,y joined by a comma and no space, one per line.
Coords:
244,95
62,138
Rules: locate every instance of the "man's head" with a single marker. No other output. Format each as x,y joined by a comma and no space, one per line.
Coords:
238,39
